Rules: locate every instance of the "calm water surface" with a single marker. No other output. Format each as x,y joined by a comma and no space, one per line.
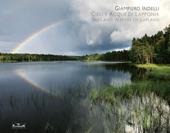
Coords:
52,96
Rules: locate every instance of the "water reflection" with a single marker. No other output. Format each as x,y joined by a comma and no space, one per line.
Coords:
136,73
72,74
54,97
51,97
146,114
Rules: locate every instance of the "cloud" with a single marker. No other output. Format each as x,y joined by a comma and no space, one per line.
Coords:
117,34
79,34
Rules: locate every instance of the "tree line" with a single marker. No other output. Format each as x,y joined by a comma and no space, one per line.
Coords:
6,57
151,49
148,49
110,56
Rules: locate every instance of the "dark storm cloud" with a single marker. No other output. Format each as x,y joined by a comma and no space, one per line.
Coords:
105,45
19,19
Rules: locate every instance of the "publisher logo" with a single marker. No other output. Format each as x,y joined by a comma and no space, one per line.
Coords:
18,126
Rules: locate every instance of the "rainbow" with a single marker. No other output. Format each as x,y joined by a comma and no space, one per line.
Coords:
22,74
34,35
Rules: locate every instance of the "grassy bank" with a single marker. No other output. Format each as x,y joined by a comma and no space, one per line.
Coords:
139,88
109,94
157,71
155,66
143,105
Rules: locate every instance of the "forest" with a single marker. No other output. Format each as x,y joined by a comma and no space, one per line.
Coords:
145,50
151,49
109,56
7,57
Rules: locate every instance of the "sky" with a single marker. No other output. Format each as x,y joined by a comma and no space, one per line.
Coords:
68,26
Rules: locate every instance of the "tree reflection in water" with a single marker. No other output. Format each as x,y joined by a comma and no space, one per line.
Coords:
147,114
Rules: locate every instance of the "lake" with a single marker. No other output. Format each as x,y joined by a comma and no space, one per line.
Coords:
54,96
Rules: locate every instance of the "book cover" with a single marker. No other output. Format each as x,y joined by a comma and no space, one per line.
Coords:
84,66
